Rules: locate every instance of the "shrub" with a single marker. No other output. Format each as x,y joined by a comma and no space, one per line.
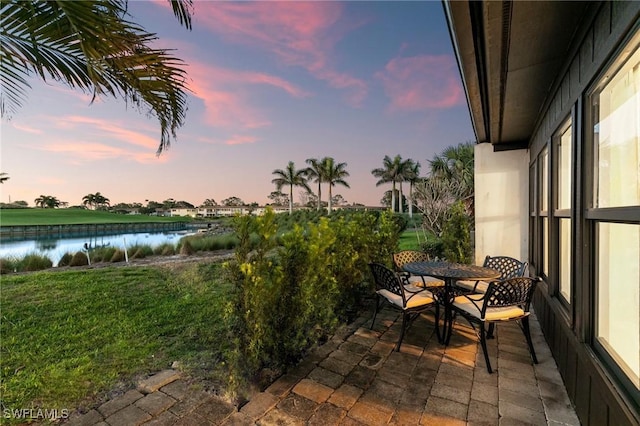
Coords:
166,249
186,249
102,254
140,252
79,259
292,288
118,256
65,260
8,266
456,236
34,262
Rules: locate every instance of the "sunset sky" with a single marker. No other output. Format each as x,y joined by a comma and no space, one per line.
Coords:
271,82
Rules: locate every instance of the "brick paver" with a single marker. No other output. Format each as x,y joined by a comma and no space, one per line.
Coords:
357,378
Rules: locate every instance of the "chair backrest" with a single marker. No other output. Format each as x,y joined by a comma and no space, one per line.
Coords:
386,279
407,256
507,266
517,291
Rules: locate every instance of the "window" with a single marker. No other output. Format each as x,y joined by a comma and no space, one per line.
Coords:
562,212
543,164
614,215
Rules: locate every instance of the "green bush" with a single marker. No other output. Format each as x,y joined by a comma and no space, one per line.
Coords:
79,259
292,288
186,249
102,254
166,249
65,260
34,262
456,236
8,266
140,252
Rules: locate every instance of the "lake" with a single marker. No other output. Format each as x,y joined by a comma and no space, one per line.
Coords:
55,248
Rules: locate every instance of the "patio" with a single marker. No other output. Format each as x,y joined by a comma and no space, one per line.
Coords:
357,378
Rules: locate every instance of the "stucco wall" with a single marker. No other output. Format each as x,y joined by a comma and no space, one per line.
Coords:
501,203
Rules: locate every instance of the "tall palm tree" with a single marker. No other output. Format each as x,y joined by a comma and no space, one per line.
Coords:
290,177
456,165
92,45
334,174
412,176
316,172
389,172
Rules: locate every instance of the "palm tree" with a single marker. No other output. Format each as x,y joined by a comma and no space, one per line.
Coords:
47,201
92,45
291,177
456,165
316,171
334,174
412,176
89,200
390,172
3,177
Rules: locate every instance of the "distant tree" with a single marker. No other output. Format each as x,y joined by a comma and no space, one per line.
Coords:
47,202
95,201
169,203
209,202
456,165
278,198
183,205
290,177
21,203
387,199
232,202
412,174
338,200
391,171
335,173
316,173
3,177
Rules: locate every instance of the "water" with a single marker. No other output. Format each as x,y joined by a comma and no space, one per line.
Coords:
55,248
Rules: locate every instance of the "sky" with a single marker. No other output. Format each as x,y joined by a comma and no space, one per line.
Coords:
270,82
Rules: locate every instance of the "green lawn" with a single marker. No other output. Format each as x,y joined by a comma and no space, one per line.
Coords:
28,217
409,240
69,337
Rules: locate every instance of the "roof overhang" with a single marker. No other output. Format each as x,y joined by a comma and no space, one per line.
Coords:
510,54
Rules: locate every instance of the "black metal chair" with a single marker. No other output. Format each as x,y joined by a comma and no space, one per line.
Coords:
402,295
507,266
506,300
407,256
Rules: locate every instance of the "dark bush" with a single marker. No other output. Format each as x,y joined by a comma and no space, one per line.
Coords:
186,249
34,262
118,256
456,236
79,259
7,266
65,260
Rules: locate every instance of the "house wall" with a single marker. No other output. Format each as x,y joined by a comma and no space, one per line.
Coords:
595,391
501,182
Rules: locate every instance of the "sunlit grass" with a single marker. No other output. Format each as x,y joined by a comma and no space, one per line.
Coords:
69,337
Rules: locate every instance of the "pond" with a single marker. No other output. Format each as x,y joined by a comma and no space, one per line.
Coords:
55,248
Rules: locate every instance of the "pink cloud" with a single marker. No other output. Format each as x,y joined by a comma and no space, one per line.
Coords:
225,96
298,33
240,140
81,151
25,128
110,130
422,82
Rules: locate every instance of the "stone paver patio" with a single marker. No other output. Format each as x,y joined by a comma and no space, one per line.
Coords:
357,379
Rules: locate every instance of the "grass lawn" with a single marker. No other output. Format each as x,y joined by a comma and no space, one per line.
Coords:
409,240
28,217
68,337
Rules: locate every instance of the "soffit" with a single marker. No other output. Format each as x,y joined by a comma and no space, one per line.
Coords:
509,55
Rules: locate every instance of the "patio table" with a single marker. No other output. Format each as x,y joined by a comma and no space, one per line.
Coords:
449,272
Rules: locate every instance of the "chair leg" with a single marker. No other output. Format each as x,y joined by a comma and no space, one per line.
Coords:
483,342
492,327
404,325
437,313
375,313
448,325
527,335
